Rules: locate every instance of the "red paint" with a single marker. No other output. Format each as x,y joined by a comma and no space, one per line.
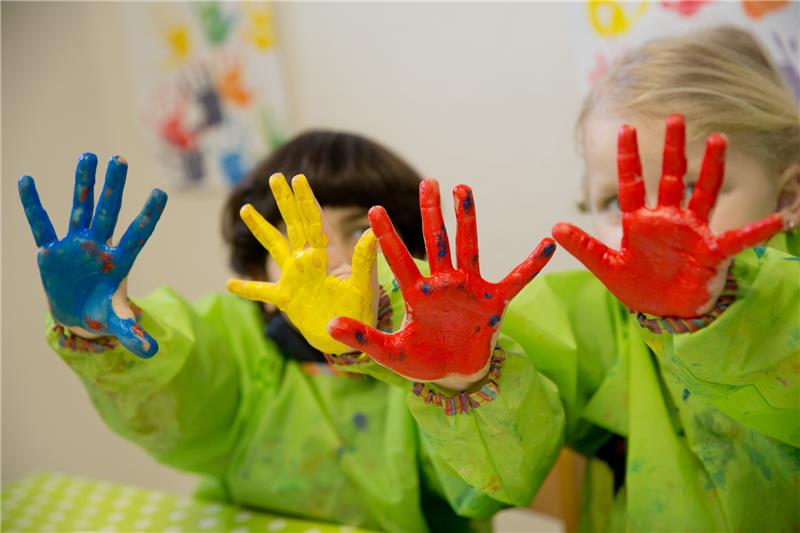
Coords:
108,261
685,8
137,329
84,192
453,315
93,324
668,255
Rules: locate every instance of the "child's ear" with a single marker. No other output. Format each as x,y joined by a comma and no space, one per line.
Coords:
789,195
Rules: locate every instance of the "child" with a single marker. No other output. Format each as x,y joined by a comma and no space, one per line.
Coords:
688,408
235,394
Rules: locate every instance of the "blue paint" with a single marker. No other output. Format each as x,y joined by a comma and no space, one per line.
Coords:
548,250
468,202
487,295
81,272
760,251
360,420
233,166
758,460
360,337
442,244
425,287
685,394
395,285
494,320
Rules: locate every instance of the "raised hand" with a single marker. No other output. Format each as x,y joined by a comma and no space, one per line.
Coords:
83,274
453,316
669,262
316,284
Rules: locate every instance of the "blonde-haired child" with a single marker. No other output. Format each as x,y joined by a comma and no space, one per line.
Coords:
679,378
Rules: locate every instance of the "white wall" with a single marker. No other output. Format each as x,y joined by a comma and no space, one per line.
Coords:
476,93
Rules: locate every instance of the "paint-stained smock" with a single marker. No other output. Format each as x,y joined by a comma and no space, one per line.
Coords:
711,418
269,432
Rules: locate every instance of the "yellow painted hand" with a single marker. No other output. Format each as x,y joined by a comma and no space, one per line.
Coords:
316,285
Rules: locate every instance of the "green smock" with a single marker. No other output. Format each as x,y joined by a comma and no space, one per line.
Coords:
292,438
712,418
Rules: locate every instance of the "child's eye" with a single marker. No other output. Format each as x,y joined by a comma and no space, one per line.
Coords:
610,204
687,192
358,232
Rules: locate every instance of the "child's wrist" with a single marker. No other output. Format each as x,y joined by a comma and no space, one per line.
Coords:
676,325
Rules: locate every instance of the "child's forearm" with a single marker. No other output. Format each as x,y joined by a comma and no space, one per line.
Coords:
165,404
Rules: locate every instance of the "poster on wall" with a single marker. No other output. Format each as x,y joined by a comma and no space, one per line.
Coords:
209,87
605,29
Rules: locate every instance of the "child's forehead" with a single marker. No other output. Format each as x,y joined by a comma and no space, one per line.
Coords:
600,147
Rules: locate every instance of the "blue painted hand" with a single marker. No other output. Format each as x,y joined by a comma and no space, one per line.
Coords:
83,274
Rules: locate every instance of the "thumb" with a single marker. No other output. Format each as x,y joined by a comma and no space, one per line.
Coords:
361,337
131,335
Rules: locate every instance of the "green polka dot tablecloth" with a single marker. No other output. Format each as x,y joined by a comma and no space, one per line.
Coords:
56,502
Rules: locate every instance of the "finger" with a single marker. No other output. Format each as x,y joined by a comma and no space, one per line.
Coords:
467,235
83,197
287,204
260,291
361,337
364,257
107,212
516,280
710,180
734,241
267,234
437,245
396,253
131,335
596,256
140,229
310,212
42,228
670,189
629,167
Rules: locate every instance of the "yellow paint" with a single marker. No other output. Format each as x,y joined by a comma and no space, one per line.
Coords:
611,18
259,30
179,43
306,292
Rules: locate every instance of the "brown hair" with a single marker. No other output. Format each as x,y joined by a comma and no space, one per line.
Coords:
343,169
720,79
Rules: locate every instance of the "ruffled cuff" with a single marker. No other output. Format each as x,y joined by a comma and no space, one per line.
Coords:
466,401
75,343
678,325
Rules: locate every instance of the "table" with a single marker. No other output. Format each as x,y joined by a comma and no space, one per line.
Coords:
48,501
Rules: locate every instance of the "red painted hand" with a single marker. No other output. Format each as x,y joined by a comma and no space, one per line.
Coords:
669,263
453,316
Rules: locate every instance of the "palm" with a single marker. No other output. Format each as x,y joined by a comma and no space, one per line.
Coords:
315,285
305,283
669,262
453,316
82,272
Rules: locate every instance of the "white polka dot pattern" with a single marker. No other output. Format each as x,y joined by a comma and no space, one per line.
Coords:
56,502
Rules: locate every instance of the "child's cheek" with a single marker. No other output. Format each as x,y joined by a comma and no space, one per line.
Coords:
608,228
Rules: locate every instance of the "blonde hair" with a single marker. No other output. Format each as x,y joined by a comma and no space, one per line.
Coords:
720,79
